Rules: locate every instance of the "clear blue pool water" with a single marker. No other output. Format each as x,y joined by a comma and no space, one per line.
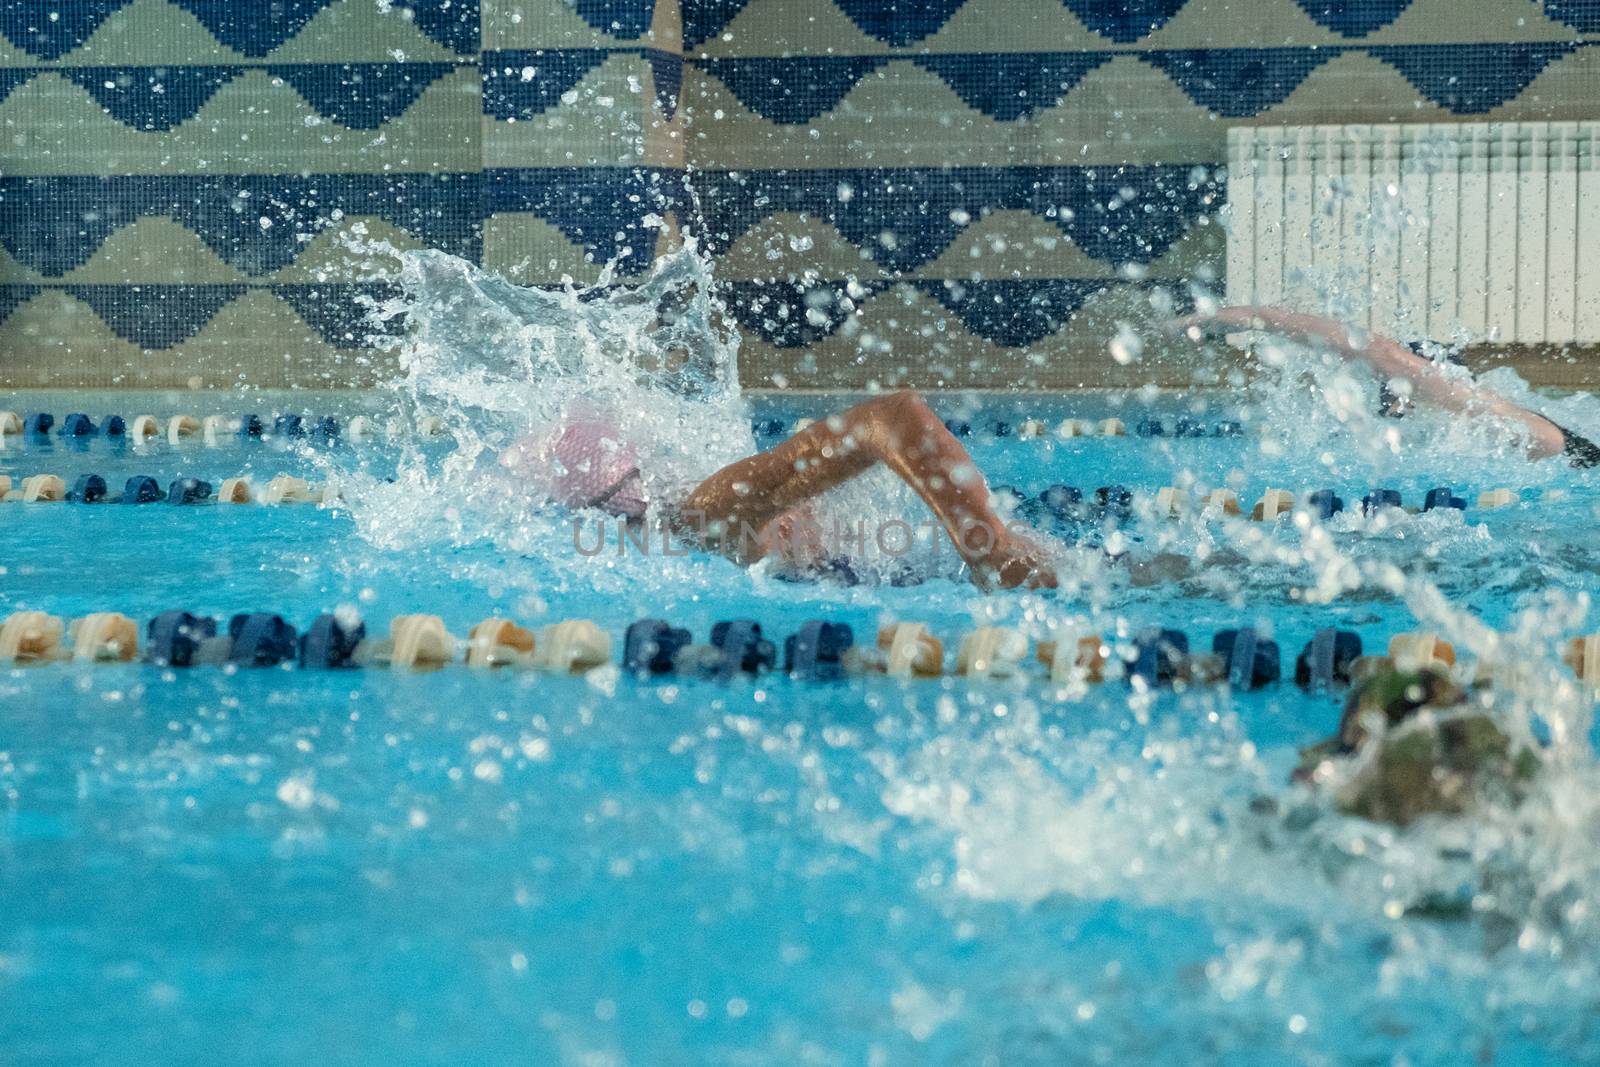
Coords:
458,868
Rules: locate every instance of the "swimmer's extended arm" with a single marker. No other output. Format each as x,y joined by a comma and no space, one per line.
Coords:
897,430
1390,359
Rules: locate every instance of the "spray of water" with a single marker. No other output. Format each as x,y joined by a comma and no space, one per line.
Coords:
1174,818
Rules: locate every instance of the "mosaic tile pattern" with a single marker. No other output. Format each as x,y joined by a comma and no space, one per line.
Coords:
929,191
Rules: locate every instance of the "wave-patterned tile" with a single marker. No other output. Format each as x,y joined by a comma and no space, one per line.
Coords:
604,210
1013,26
528,250
1000,244
13,272
52,30
606,119
1125,21
341,312
361,96
1354,18
521,84
1239,83
1217,24
1004,86
155,316
159,316
1200,255
718,28
367,31
904,337
1467,79
1359,88
1472,79
906,217
706,19
1010,313
1442,21
1017,244
791,90
1124,111
56,339
1563,92
355,248
545,24
621,18
901,23
253,125
978,24
253,222
1581,15
1011,86
148,33
787,245
156,250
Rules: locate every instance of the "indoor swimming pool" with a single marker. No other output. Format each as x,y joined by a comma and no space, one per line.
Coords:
277,863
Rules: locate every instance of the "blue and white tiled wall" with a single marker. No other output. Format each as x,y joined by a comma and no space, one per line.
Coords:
968,192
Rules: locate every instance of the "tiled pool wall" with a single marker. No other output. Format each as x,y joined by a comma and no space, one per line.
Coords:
942,193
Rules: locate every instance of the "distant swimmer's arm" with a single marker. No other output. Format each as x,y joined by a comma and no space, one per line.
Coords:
1391,359
897,430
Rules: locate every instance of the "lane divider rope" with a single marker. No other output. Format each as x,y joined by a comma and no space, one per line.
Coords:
143,489
218,430
820,650
1060,504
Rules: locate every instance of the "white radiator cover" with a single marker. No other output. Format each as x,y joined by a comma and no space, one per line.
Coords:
1469,230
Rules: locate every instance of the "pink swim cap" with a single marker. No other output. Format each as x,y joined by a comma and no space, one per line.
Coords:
586,462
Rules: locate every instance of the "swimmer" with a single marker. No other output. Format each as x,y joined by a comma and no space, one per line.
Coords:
1393,360
751,508
1411,744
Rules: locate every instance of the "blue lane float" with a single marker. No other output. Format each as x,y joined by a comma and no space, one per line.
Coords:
88,489
1249,660
189,491
142,489
1324,504
325,431
330,644
113,426
816,652
1378,499
175,638
1063,503
742,648
1326,660
1443,497
261,640
651,646
38,424
1158,656
289,426
1114,501
76,425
